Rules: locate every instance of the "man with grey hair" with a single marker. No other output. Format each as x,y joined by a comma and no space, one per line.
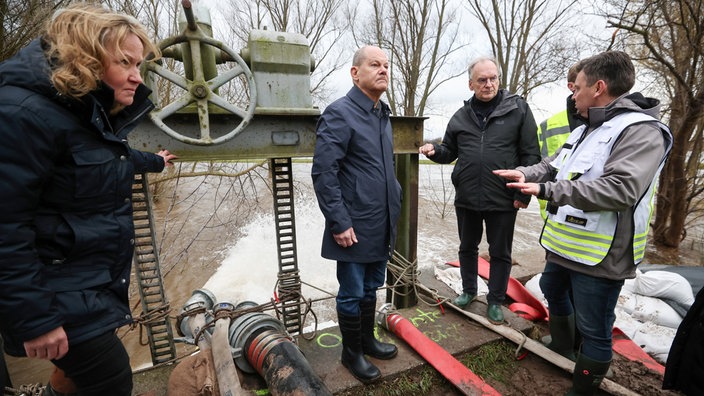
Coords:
493,129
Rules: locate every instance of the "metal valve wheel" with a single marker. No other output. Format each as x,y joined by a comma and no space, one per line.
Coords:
202,92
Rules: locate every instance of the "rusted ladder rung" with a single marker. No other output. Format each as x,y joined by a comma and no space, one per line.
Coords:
147,278
147,275
148,251
145,266
146,258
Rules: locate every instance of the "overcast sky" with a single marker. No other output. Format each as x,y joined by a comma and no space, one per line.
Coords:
449,96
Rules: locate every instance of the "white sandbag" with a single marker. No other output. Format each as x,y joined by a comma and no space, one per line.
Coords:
627,323
630,284
648,309
533,287
627,301
651,309
655,340
665,284
451,277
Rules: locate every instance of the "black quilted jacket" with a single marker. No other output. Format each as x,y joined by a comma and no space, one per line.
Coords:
66,231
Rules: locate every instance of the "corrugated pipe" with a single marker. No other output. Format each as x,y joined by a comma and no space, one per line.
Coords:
262,346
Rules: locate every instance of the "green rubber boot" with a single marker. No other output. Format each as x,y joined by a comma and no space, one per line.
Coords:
587,376
561,339
463,299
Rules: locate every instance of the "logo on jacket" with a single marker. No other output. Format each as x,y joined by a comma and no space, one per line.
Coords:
580,221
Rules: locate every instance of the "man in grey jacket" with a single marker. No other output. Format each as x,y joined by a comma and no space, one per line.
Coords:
494,129
600,188
360,197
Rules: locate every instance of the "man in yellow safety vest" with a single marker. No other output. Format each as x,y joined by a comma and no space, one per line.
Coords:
553,132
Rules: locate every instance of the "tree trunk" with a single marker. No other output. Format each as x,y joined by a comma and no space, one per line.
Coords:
673,195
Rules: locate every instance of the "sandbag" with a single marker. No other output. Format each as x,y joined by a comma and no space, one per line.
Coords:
652,338
533,287
194,376
451,277
665,285
655,340
693,273
648,309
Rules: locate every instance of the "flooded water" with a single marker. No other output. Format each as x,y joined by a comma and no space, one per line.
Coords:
218,233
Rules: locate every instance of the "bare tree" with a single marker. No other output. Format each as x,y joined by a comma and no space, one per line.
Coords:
421,36
321,21
22,21
667,39
533,40
158,16
441,193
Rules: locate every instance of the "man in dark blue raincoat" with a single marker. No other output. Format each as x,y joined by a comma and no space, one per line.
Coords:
360,197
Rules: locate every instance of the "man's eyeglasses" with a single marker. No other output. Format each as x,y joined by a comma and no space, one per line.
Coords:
483,80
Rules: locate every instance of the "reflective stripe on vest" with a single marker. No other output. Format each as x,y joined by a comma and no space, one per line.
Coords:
586,237
642,216
580,246
552,133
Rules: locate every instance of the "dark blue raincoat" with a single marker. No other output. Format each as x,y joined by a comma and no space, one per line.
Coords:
354,178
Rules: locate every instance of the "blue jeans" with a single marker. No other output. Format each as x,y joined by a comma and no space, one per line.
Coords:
594,303
358,281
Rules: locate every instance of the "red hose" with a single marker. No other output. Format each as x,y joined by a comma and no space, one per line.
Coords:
446,364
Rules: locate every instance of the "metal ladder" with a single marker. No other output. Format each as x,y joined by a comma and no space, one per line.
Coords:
148,274
289,286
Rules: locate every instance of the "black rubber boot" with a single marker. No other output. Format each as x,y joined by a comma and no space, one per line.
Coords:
587,376
370,345
352,355
561,339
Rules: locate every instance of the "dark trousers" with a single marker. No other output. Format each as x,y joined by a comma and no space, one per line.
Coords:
4,374
499,235
99,366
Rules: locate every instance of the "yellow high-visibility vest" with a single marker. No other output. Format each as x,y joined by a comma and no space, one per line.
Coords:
552,134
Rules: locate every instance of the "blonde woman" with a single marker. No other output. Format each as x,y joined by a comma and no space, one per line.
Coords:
67,102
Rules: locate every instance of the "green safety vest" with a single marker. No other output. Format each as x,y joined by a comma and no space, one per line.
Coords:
586,237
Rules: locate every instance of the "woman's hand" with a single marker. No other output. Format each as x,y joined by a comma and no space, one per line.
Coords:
167,157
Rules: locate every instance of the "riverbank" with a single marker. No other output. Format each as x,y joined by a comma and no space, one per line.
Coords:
500,363
219,232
